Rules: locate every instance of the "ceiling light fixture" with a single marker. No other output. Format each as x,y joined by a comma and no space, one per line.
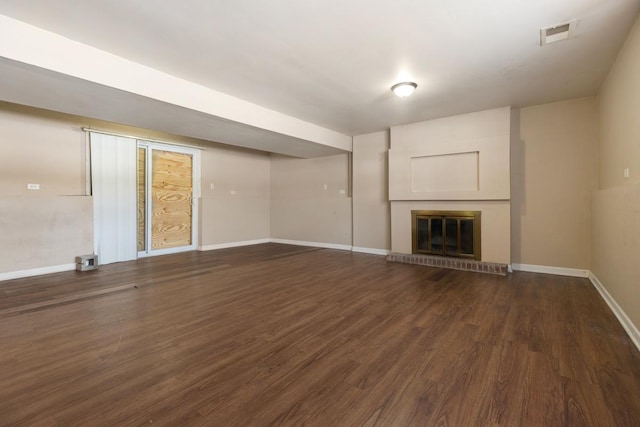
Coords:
404,89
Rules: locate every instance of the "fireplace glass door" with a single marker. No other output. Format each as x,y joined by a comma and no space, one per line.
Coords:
446,233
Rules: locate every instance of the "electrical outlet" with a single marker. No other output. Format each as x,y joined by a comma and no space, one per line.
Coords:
33,186
342,192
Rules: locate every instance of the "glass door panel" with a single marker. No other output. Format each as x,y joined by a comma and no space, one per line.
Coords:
466,236
423,234
167,206
171,196
436,235
451,233
142,198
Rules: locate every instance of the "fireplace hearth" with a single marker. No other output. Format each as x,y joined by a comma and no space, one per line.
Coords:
446,233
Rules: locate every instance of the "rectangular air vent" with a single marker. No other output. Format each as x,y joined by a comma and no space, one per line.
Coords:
556,33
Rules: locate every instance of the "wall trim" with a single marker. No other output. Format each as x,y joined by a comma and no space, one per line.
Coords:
359,249
10,275
313,244
233,244
558,271
372,251
624,320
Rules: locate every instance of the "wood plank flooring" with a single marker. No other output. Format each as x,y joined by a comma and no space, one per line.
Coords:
288,336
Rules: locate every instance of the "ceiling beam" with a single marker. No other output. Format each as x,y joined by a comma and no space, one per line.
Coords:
91,82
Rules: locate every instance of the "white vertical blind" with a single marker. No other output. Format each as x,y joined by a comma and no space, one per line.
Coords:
113,181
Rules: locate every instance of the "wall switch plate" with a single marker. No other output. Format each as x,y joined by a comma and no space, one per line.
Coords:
232,192
33,186
342,192
212,186
626,172
326,186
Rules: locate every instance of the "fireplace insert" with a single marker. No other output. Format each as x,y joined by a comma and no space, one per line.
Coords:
446,233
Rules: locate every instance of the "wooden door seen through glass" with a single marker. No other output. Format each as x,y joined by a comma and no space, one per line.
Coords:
165,200
171,193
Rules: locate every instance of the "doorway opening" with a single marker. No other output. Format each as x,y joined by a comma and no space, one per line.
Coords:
144,197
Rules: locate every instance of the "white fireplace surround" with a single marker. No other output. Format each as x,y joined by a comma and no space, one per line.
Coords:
459,163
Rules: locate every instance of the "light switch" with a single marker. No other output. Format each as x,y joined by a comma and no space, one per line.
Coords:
33,186
212,186
626,172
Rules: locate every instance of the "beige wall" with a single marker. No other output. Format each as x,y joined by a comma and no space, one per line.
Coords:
553,172
619,121
486,133
301,208
236,209
616,246
50,226
616,207
47,148
44,231
371,207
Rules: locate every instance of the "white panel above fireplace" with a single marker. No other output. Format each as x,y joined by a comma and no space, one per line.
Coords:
463,157
444,172
428,172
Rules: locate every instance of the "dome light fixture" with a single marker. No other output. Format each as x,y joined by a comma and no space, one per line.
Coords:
404,89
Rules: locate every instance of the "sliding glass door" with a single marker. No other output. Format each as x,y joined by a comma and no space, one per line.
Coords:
167,206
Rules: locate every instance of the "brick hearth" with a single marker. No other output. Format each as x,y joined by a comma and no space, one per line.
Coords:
453,263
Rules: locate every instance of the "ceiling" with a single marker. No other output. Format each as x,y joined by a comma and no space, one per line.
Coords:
331,63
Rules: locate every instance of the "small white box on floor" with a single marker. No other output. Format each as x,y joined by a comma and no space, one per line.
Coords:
87,262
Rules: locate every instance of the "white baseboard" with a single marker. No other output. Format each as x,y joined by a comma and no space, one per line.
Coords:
559,271
312,244
624,320
10,275
372,251
233,244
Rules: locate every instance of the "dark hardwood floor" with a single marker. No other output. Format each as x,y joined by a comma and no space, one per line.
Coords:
287,336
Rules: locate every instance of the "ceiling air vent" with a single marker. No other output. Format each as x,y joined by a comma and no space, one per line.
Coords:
556,33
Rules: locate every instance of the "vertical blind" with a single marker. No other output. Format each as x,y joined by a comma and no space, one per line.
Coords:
113,182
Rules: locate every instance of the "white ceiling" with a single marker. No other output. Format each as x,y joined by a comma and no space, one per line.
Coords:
331,63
